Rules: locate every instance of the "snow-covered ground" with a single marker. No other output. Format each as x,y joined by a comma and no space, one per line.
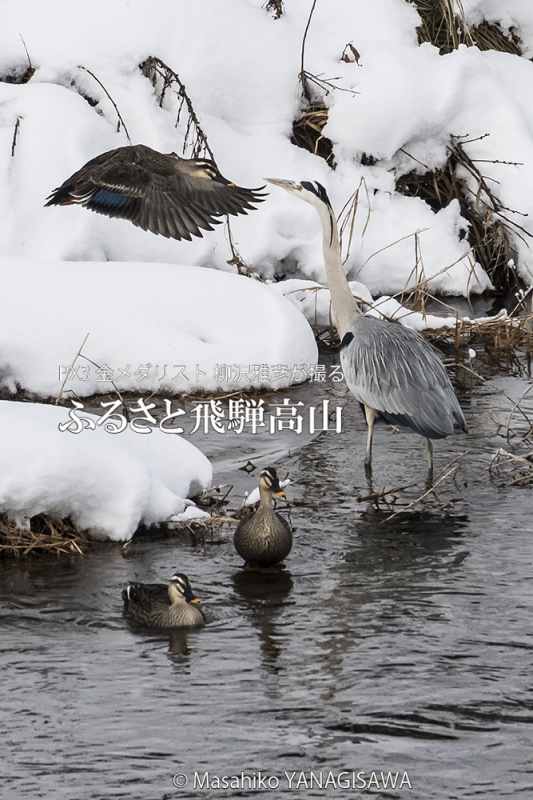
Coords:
240,66
107,484
152,328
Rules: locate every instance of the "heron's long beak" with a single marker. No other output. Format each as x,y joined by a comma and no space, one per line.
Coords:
281,182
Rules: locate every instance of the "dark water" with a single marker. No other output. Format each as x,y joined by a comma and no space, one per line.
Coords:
402,646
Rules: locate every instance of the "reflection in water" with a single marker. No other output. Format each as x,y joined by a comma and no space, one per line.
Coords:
262,593
178,643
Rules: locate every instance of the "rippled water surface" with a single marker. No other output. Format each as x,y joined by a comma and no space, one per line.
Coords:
404,645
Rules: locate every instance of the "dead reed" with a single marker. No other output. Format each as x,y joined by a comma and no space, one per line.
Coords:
43,536
307,132
443,24
509,469
492,226
274,7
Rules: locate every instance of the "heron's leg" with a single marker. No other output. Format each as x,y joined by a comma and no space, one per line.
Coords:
370,415
429,478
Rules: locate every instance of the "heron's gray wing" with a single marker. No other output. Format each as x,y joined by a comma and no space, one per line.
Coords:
396,372
155,191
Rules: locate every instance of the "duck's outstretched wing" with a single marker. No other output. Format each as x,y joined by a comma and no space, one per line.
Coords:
176,198
394,370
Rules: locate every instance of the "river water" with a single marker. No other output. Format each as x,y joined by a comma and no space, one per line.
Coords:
403,645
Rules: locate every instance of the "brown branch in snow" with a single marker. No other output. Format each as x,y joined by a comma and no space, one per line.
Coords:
195,137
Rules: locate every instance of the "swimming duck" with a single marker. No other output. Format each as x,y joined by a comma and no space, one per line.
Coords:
265,538
158,605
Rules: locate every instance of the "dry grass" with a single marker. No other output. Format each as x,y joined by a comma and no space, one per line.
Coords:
505,344
45,536
18,74
274,7
492,226
443,24
508,469
307,132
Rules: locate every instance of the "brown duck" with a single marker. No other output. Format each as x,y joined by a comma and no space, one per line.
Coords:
265,538
156,605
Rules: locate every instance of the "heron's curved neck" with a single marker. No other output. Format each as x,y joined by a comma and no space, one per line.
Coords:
344,305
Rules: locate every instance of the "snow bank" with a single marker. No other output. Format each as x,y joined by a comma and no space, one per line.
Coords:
244,88
108,484
314,301
389,308
152,327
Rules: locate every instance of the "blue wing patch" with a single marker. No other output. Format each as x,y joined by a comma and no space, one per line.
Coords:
105,197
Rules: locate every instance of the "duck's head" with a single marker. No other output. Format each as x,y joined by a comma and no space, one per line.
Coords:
180,590
269,482
312,192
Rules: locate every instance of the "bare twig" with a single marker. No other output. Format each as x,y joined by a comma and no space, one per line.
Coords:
119,115
303,74
30,65
15,135
381,494
80,354
69,369
447,472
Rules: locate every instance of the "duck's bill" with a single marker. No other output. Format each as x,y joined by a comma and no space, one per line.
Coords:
196,601
280,493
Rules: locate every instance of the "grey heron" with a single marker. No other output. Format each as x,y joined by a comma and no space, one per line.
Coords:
159,192
265,538
158,606
393,372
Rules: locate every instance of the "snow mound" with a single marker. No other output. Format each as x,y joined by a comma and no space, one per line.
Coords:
153,327
106,484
